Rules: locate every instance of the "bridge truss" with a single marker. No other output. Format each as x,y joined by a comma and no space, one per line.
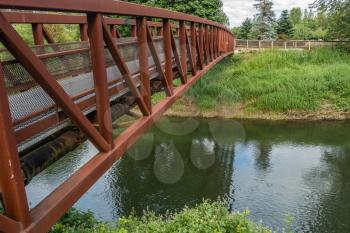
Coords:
50,85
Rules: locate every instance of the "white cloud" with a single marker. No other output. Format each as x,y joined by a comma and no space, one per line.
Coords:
238,10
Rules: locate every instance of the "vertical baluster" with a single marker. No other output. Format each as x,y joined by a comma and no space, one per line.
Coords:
141,24
193,47
167,52
83,32
11,181
183,54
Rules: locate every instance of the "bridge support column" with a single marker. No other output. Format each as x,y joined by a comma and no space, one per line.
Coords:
194,47
83,32
183,54
11,181
141,24
168,53
100,76
201,46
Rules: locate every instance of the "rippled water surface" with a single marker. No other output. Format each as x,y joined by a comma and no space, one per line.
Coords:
274,169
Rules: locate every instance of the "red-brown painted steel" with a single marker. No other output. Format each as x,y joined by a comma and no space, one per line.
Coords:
157,63
14,43
57,203
141,23
177,58
83,32
194,47
206,46
98,60
11,181
183,48
167,53
38,35
124,70
48,36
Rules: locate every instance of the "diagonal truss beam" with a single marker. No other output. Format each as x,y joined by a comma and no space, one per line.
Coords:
189,54
177,58
15,44
157,62
124,70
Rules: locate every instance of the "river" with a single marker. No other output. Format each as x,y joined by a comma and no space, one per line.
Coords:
275,169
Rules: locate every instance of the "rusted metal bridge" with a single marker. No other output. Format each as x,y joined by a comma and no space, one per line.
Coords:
49,87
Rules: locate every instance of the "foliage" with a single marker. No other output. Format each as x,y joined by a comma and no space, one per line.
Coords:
296,15
246,29
284,26
206,217
338,17
210,9
278,81
264,20
76,221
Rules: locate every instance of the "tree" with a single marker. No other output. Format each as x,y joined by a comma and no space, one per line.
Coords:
338,17
210,9
264,20
296,15
246,29
284,26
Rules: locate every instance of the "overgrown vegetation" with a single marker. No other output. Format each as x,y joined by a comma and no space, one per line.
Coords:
205,218
278,81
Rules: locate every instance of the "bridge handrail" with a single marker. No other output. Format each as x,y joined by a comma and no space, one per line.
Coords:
106,7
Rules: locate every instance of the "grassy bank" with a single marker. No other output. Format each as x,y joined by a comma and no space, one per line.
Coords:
273,84
205,218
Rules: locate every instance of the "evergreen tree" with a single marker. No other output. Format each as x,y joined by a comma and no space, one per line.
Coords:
264,20
246,29
284,26
296,15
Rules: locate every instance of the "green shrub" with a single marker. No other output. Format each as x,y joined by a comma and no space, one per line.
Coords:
205,218
208,217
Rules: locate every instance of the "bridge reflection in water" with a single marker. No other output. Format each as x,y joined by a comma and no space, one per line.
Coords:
273,169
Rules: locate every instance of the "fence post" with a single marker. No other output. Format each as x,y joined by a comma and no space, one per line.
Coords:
247,44
259,44
309,45
285,45
272,44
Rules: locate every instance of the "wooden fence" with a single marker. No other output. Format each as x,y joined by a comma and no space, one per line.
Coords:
289,44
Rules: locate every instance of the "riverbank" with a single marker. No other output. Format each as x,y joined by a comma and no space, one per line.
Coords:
273,85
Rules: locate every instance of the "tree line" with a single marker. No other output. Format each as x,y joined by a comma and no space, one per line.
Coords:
324,20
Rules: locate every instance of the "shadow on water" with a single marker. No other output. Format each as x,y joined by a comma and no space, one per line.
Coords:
272,168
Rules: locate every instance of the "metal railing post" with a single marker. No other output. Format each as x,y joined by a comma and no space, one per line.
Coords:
168,53
141,24
83,32
98,60
183,54
11,181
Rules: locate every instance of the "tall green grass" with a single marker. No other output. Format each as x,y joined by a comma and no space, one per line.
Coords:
277,80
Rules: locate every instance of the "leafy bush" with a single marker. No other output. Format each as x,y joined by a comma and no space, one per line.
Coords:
206,217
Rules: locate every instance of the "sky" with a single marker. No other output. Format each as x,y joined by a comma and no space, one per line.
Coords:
238,10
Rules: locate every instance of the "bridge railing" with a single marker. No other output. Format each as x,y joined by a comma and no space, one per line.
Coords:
282,44
37,91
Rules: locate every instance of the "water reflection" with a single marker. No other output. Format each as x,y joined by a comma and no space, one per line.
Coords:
272,168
